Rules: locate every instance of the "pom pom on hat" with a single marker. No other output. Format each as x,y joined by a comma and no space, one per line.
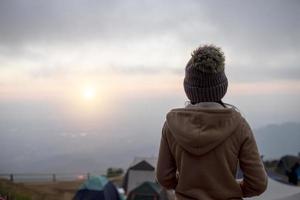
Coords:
205,79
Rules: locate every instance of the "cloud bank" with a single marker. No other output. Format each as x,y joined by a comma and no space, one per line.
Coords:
260,39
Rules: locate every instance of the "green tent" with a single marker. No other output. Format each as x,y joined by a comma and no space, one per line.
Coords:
97,188
148,191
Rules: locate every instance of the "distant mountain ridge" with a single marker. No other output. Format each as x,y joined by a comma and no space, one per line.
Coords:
274,141
277,140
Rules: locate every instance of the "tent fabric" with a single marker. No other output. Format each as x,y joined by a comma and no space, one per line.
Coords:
97,188
286,163
111,192
151,160
278,191
148,190
298,173
140,164
292,197
94,183
143,165
89,195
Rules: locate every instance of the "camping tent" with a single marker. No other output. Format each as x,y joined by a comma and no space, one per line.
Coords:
279,191
286,163
148,191
140,170
97,188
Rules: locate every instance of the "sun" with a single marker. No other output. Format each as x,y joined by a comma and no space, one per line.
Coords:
89,93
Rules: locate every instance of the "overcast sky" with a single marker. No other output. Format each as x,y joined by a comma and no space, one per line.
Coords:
260,38
133,54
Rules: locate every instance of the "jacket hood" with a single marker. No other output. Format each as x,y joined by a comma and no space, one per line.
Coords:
200,130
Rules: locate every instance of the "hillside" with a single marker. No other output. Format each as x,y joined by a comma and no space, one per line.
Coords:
277,140
39,191
273,141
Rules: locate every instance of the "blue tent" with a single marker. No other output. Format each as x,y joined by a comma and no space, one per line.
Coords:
298,173
97,188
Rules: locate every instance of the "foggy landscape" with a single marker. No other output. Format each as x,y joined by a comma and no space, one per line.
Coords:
86,85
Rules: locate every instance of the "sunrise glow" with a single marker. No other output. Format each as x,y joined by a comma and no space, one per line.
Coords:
89,93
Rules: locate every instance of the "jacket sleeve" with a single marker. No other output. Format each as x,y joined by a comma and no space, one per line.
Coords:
166,165
255,179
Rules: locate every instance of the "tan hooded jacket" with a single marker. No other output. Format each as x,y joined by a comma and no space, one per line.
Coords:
199,153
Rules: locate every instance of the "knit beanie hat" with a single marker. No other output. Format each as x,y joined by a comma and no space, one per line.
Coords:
205,79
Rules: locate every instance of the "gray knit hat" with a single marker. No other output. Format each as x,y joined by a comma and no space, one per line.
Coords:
205,79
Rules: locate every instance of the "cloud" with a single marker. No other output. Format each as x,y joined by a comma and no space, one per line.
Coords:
260,41
192,21
76,20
